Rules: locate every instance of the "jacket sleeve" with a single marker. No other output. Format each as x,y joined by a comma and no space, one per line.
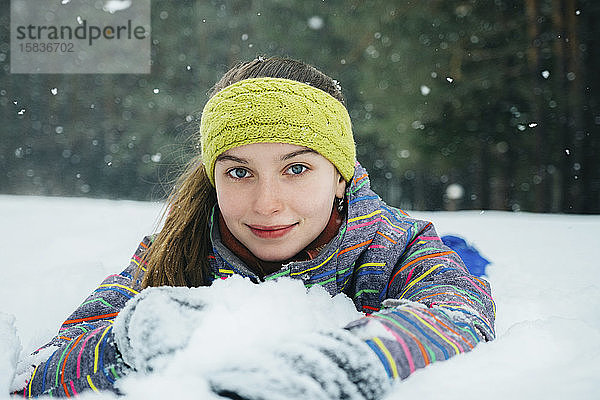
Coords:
434,309
83,355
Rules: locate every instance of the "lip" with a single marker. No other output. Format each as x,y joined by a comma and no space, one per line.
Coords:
271,232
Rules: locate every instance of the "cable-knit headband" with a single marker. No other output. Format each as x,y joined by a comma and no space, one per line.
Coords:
276,110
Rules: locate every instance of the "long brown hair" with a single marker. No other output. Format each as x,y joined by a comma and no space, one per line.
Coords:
179,253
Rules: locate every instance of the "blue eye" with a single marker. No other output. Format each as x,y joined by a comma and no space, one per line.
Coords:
297,169
238,173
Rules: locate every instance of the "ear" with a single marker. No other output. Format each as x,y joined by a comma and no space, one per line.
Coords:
340,188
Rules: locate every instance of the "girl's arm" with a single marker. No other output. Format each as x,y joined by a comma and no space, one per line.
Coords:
83,355
435,309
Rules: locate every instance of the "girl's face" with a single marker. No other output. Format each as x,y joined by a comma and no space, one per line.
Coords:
276,198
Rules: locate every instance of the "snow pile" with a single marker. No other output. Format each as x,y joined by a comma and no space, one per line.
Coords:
10,346
544,275
231,323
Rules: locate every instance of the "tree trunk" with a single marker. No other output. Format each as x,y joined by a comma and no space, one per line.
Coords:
575,93
541,133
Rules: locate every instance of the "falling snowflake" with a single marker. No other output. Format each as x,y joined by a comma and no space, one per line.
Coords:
156,157
113,6
315,22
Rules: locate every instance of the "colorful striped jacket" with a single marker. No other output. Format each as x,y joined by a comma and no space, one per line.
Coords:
395,268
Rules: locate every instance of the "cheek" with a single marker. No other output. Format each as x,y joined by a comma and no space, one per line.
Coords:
229,203
314,204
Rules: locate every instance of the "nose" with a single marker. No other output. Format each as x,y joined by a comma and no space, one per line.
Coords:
267,197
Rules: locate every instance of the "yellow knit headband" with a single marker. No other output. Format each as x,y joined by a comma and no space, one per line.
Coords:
275,110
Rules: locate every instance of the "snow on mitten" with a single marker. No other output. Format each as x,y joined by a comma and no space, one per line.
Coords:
322,365
155,324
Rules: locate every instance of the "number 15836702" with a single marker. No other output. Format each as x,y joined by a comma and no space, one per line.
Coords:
46,47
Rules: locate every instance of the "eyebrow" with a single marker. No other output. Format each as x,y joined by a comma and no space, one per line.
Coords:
223,157
296,153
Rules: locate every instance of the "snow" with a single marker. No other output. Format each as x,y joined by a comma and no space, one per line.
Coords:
233,313
544,276
9,350
315,22
113,6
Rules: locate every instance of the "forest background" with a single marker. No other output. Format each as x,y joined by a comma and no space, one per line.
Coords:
473,104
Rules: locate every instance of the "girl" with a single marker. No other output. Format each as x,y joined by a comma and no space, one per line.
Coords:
277,192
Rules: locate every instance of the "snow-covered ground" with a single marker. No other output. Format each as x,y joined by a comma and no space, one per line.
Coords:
545,279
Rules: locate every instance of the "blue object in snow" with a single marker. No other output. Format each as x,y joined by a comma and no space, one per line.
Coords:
473,260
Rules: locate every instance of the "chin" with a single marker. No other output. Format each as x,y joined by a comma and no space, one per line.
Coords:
274,256
274,259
